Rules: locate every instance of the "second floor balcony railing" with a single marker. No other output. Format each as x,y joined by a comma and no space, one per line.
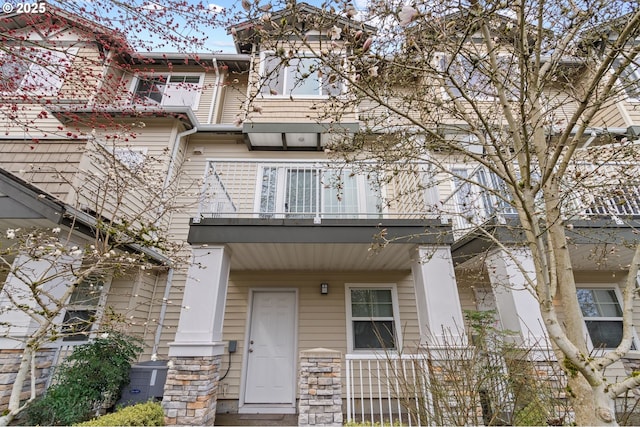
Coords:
308,189
468,197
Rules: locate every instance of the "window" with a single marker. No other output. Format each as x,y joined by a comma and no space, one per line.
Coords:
168,90
372,317
132,158
34,71
473,76
602,314
303,191
630,80
81,311
303,76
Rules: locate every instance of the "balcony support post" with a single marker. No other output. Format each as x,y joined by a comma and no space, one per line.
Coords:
439,310
511,273
190,395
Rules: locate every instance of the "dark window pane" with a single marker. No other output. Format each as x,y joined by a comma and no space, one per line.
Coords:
373,335
77,324
605,334
371,303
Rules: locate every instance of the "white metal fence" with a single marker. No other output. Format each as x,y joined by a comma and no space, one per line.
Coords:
376,392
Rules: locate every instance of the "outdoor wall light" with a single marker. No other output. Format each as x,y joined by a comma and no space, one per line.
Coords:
324,288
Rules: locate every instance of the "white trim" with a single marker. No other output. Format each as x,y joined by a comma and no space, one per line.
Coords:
606,287
286,90
396,314
253,408
142,76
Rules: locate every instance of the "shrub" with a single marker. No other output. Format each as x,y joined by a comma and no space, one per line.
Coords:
92,374
142,414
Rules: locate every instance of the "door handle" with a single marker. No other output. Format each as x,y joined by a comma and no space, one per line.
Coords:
250,350
251,342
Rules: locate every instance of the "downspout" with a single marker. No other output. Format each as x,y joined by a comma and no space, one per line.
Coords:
216,90
161,316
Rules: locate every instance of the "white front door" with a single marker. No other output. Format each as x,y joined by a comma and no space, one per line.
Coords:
271,348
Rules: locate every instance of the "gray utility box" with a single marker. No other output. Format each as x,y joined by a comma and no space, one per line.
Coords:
146,382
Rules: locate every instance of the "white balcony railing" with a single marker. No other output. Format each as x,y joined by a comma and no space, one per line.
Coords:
310,189
376,389
315,189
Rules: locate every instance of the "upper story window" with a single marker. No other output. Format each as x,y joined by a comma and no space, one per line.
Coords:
34,71
372,322
168,90
132,158
298,77
630,80
602,313
473,77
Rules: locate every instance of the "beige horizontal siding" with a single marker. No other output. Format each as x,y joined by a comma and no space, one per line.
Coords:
321,319
49,164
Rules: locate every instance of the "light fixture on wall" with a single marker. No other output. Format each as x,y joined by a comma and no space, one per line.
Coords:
324,288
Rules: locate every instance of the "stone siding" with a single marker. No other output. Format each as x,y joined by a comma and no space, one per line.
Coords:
190,393
320,388
9,364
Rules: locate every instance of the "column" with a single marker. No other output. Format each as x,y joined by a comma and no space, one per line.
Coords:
439,310
190,395
518,308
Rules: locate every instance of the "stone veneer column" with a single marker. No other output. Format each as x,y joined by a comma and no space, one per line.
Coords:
190,393
320,388
191,390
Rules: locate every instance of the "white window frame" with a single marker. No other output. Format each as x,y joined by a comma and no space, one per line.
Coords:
281,190
607,287
197,92
635,76
443,58
97,309
286,89
350,319
131,157
46,80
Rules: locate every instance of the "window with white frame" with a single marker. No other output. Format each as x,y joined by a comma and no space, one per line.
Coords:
303,191
301,76
35,71
472,76
168,90
132,158
372,313
81,310
630,80
602,313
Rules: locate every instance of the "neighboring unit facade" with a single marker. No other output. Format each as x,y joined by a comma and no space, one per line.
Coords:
292,251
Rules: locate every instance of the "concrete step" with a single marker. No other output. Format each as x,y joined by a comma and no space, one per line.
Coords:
256,420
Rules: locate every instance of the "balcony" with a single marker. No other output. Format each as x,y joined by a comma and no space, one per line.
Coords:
603,192
312,190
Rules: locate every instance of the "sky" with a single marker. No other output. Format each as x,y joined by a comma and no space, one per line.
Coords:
217,38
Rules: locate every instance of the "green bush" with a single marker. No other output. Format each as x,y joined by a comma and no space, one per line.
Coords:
142,414
90,377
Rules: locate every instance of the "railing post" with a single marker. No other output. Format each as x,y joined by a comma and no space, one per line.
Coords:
320,388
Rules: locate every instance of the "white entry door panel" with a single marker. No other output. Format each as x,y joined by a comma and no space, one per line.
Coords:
271,348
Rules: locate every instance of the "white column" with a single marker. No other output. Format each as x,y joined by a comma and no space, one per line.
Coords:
439,309
49,277
518,308
200,326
